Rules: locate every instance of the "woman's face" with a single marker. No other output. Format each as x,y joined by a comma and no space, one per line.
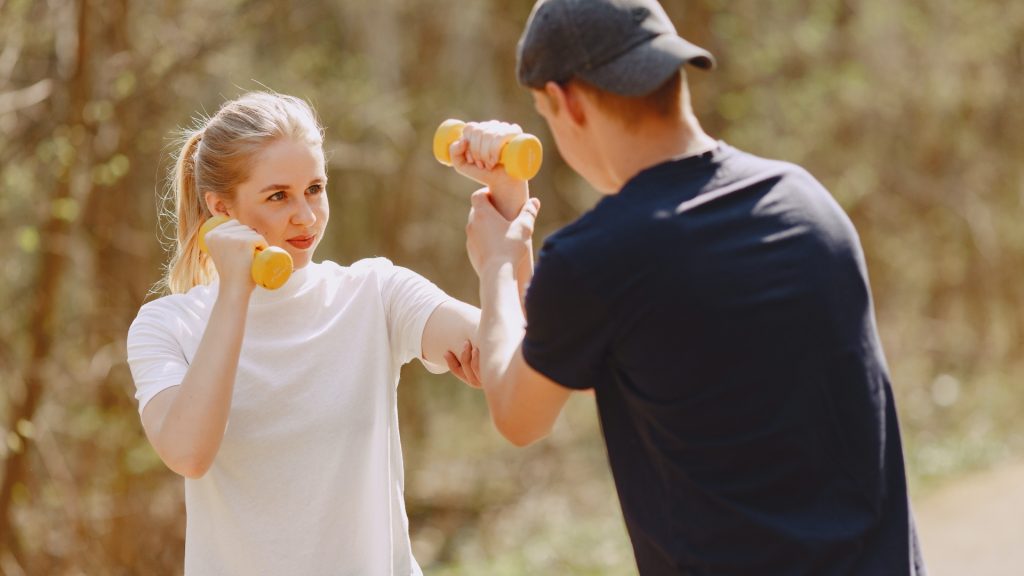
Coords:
285,198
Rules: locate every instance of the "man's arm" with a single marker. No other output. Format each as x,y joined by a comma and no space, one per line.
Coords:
524,403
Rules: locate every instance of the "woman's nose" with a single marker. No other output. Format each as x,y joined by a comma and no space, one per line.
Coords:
304,214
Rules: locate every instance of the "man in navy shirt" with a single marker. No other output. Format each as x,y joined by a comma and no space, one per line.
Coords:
717,304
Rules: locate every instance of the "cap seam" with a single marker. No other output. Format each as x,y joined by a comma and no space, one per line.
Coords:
577,45
625,51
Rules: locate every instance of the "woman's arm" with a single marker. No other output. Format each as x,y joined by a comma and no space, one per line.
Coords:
448,334
185,423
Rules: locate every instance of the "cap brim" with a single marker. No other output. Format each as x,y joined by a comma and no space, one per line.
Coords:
646,67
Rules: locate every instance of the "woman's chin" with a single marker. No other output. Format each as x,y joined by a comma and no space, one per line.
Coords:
301,260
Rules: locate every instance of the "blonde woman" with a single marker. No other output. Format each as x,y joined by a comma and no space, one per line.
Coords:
279,406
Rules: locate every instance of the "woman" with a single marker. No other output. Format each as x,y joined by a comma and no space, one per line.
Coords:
279,407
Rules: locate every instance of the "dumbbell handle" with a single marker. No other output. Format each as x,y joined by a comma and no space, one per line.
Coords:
271,266
521,156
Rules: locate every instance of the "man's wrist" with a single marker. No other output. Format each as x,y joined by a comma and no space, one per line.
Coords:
497,268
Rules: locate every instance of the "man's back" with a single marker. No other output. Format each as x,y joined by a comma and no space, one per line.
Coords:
719,306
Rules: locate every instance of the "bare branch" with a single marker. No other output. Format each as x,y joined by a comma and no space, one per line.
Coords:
29,96
12,51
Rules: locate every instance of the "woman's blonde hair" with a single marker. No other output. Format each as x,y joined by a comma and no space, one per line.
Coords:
216,156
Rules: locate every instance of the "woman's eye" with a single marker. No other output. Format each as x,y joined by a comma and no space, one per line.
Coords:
315,189
276,196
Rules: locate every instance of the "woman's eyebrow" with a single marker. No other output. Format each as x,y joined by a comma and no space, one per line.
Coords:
275,187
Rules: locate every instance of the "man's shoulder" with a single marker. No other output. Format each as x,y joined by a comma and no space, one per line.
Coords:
577,237
740,165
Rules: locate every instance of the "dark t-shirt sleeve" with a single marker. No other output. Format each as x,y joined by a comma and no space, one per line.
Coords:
567,328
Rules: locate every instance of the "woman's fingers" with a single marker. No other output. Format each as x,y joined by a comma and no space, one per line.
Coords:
454,366
460,366
485,141
472,376
475,366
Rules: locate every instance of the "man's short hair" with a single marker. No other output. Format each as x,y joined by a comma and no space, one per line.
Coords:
664,103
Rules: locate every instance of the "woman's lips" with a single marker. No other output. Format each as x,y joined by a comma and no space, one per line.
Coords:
302,242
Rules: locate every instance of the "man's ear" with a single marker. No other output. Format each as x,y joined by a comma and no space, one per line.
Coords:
216,205
567,97
552,95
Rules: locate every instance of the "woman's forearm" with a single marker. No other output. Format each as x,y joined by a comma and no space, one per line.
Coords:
193,427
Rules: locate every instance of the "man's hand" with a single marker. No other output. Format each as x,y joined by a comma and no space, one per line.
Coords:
493,240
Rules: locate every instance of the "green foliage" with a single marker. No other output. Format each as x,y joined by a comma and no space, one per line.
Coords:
910,113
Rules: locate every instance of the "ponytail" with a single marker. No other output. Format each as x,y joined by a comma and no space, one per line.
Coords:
188,267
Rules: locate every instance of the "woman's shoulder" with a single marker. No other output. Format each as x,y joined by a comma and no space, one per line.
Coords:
375,268
195,303
359,273
376,271
363,266
169,319
374,264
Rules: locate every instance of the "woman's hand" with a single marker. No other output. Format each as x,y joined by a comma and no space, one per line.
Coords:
232,246
466,366
477,155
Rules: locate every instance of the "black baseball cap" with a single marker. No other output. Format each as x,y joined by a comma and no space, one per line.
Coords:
627,47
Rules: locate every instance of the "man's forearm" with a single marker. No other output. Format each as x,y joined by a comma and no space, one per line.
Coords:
524,274
502,325
524,404
509,201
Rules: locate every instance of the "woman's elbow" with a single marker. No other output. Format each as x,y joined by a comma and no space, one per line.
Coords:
192,471
192,466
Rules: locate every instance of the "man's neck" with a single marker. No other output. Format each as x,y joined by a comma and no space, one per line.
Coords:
628,150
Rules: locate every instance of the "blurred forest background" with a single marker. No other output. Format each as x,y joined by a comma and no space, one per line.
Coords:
911,113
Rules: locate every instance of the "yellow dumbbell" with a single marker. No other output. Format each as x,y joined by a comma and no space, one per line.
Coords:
271,266
521,156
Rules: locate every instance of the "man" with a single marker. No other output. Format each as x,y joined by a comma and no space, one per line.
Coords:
716,303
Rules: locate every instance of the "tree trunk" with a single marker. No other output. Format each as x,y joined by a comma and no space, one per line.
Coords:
55,243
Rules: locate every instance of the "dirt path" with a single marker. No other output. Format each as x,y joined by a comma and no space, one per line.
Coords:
975,526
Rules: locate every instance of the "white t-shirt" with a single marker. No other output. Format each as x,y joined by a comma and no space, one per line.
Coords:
309,477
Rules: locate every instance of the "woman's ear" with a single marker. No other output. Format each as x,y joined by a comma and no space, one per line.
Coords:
216,205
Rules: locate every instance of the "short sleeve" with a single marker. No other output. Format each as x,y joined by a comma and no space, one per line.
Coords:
155,356
409,300
567,327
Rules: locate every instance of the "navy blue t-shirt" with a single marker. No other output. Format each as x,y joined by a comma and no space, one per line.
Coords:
719,307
